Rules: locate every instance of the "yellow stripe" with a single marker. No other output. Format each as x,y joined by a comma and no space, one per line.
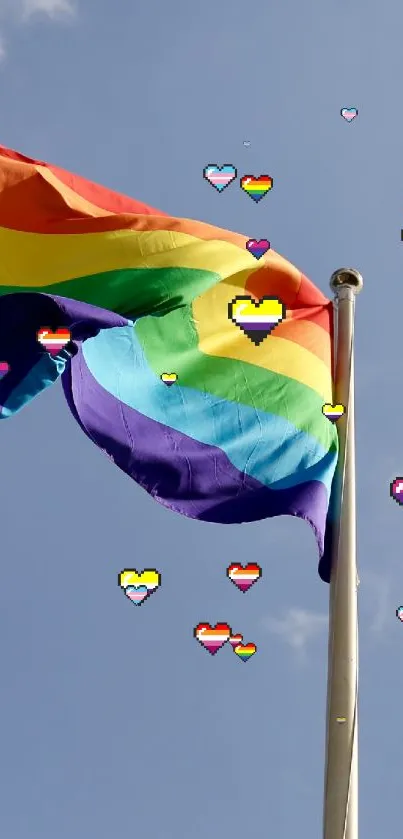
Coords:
36,259
219,336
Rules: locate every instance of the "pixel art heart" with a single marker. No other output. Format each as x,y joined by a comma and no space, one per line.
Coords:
349,114
138,587
137,594
333,412
256,188
244,577
53,342
212,638
219,176
258,248
245,651
396,490
169,378
256,318
235,640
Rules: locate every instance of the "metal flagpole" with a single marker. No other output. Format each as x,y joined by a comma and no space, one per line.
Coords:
340,818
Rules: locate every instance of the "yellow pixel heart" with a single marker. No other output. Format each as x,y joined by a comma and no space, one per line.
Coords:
256,318
333,412
149,578
138,587
169,378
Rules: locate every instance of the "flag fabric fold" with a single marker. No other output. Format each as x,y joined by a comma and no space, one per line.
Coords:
241,435
31,368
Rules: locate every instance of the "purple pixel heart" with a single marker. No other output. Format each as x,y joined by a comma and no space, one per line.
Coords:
257,247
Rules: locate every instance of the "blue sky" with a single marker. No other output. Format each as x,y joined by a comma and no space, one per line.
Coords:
113,720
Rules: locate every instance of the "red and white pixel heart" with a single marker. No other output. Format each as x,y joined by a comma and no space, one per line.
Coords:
212,638
235,640
53,342
244,577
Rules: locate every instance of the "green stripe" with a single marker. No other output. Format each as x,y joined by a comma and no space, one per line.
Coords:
132,292
170,345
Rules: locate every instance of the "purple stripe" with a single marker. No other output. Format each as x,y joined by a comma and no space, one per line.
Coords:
191,478
252,326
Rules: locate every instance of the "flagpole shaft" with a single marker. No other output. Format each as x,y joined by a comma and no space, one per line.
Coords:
340,819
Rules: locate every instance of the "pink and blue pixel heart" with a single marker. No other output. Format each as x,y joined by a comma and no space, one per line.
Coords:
349,114
219,176
137,594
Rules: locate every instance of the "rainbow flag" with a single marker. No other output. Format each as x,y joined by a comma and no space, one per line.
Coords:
240,436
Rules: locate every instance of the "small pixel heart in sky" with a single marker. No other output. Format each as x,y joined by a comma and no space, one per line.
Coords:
219,176
212,638
349,114
396,490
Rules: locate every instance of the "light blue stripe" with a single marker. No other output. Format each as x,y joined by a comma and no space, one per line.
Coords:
42,375
261,445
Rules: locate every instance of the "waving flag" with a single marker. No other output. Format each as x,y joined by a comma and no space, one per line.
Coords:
240,436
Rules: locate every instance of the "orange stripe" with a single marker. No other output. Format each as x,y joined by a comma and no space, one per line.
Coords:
307,334
100,196
301,297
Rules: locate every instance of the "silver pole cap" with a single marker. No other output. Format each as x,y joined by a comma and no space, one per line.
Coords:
346,278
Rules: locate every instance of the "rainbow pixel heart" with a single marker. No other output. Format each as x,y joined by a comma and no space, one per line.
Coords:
245,651
244,577
169,378
138,587
4,369
258,248
219,176
333,412
256,188
53,342
257,319
212,638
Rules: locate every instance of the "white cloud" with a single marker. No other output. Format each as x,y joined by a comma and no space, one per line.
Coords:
51,8
22,11
298,628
